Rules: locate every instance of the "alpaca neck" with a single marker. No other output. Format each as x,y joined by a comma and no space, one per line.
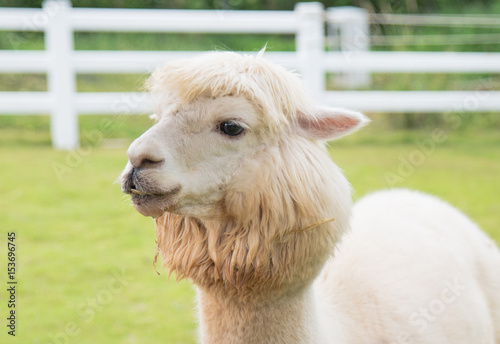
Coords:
253,262
289,319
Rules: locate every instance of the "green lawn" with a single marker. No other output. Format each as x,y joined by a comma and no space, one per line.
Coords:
85,256
75,235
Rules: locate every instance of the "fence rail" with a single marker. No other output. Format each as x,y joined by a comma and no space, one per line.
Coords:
206,21
129,103
334,62
58,20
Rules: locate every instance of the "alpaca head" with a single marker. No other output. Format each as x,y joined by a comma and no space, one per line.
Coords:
235,165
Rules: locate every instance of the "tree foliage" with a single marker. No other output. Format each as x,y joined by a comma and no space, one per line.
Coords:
396,6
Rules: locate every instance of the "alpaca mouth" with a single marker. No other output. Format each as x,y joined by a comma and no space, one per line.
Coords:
148,198
138,187
141,193
153,204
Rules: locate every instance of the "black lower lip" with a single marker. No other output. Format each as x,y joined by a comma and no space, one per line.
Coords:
146,196
153,195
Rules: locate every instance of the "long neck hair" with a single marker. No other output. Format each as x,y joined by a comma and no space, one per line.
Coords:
257,244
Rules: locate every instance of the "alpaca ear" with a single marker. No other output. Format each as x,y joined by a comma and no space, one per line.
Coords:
330,123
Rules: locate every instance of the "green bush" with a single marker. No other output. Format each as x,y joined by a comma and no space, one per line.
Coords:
396,6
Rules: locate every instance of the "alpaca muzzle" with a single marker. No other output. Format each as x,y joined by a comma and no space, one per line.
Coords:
147,198
134,184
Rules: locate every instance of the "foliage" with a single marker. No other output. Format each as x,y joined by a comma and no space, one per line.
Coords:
392,6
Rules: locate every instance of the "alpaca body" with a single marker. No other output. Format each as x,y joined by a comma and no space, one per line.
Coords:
412,270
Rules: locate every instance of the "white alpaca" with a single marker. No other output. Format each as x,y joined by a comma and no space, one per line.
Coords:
244,193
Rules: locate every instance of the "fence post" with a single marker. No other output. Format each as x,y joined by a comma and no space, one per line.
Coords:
61,74
310,40
349,31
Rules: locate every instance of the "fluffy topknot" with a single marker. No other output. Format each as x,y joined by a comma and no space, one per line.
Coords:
279,93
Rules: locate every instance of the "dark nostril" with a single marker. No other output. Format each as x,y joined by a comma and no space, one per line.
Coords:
130,182
149,163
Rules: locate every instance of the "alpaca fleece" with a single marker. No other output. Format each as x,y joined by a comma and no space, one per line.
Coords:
398,267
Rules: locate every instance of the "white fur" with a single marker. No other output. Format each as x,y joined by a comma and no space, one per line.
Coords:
231,214
412,270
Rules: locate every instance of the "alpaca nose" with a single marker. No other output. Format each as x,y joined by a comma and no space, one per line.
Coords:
142,155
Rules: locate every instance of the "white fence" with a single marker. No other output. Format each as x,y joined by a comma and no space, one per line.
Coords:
307,22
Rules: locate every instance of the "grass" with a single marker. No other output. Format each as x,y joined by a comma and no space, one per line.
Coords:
154,41
463,171
76,232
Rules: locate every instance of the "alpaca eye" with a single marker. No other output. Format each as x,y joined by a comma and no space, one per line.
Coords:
231,128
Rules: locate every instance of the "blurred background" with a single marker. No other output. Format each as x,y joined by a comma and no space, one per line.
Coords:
85,256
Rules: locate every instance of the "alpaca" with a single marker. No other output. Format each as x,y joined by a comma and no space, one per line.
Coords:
250,208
